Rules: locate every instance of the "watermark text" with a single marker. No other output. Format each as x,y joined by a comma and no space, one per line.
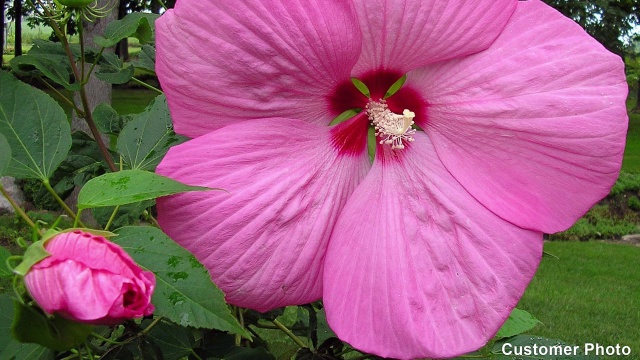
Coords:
566,350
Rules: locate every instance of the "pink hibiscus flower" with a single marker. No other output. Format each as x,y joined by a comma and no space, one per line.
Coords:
425,251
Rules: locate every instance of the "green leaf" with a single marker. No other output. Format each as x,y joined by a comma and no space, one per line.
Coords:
128,186
10,348
137,25
4,255
34,253
345,115
5,158
113,70
243,353
523,342
145,140
146,59
324,331
22,351
121,353
35,127
107,119
34,65
53,62
216,344
395,86
30,325
362,87
128,214
519,321
176,342
184,292
55,51
119,76
84,162
278,343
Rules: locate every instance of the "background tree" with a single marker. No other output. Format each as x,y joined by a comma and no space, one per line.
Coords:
17,10
612,22
609,21
3,5
127,6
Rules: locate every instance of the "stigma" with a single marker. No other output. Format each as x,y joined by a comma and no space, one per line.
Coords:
392,129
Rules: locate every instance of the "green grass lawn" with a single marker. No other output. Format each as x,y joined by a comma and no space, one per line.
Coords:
590,294
631,160
131,101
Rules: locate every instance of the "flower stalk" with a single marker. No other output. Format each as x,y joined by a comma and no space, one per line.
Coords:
18,209
61,202
150,87
112,217
79,76
289,333
61,96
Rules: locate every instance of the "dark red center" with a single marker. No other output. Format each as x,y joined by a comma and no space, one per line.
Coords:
346,97
129,298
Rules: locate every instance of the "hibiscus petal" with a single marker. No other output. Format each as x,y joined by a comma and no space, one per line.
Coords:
66,287
535,126
402,35
264,238
93,251
95,287
223,61
44,286
416,267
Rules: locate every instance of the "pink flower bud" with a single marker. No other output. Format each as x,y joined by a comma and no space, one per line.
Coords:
89,279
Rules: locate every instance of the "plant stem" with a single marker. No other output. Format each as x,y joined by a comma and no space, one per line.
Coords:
61,202
155,322
77,219
237,312
60,95
273,327
82,57
88,349
162,4
18,209
85,100
140,82
102,338
15,289
289,333
83,94
74,355
112,217
150,218
93,65
142,333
